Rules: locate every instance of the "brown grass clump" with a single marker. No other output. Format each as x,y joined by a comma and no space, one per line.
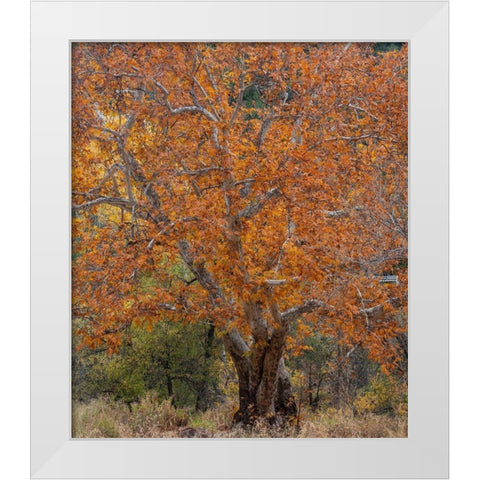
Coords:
151,418
100,418
345,424
105,418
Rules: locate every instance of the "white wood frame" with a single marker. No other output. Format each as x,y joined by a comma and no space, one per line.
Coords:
424,454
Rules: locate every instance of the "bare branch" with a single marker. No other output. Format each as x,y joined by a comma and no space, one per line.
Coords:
201,171
167,306
356,107
264,129
373,313
114,133
198,269
335,213
104,180
290,230
199,85
306,307
115,202
256,205
186,109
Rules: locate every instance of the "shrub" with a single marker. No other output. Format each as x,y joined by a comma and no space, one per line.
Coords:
383,395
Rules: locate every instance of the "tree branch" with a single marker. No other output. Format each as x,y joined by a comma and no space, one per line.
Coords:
201,171
115,202
264,129
373,313
186,109
306,307
256,205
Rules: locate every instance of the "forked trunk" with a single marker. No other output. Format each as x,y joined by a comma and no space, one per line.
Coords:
263,381
271,398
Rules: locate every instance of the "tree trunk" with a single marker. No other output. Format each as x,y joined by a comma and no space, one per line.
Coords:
168,376
264,387
171,395
205,394
284,400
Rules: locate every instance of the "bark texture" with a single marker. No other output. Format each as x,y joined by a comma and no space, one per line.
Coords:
271,399
264,383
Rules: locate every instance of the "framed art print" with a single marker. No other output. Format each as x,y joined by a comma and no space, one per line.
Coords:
239,239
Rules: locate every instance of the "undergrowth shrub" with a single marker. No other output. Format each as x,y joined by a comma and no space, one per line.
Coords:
384,395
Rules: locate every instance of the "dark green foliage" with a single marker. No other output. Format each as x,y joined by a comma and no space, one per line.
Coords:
313,363
252,99
387,46
174,360
332,373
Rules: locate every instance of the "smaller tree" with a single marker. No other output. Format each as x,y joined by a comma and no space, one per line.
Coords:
312,362
176,361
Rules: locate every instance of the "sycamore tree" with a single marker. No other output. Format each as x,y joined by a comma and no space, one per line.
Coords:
259,188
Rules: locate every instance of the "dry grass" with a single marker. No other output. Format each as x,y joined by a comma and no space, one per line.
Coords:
104,418
344,424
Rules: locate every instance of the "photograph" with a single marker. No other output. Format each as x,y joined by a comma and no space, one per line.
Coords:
239,239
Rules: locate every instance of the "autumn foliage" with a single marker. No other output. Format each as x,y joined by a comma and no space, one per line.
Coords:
257,188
